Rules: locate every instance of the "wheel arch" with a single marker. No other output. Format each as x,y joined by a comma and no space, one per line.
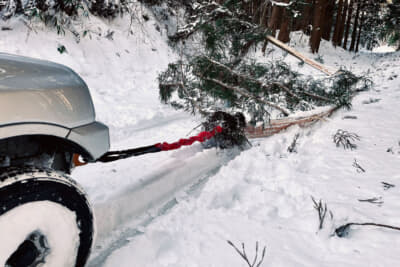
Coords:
90,141
22,142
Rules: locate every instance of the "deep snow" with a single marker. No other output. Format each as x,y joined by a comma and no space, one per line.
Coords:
263,194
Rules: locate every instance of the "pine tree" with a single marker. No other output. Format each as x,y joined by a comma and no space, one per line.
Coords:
371,23
391,30
221,75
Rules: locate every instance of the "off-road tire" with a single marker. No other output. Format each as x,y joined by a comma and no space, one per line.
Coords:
19,186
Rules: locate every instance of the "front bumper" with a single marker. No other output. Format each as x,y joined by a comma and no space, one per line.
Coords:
93,137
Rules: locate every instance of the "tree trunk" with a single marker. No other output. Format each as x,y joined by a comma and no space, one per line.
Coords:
360,30
326,33
284,30
348,23
337,24
354,33
274,20
306,16
319,10
266,10
342,23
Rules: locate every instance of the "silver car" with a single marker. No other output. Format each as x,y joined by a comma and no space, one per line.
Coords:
47,123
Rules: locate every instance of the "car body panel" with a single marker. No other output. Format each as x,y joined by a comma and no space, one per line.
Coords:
13,130
40,91
94,137
45,98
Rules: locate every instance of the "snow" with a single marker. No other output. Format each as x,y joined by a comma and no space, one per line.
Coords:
54,221
180,208
384,49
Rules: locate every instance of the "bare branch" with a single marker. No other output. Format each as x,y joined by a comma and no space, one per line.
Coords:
343,230
244,256
358,166
321,209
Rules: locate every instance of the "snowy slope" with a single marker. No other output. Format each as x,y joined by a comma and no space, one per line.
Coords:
263,194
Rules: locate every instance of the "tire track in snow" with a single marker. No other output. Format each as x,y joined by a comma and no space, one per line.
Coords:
157,192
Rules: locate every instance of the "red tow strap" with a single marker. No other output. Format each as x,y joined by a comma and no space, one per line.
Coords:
201,137
123,154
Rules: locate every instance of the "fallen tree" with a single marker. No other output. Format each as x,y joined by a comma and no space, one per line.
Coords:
222,75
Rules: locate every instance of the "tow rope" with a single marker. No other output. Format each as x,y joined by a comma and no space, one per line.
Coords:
123,154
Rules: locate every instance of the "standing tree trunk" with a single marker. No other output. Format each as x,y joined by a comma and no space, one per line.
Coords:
348,23
319,10
284,30
266,10
342,23
360,30
274,20
326,32
306,16
354,33
337,24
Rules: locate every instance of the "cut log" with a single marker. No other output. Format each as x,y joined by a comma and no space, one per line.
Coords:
278,125
300,56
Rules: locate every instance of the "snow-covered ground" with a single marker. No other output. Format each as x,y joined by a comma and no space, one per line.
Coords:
180,208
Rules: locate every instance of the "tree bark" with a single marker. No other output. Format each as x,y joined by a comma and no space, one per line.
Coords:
326,33
348,23
306,17
284,30
360,30
266,10
354,33
319,10
276,126
337,24
274,21
342,23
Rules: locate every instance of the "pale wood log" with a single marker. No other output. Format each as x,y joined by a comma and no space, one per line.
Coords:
278,125
300,56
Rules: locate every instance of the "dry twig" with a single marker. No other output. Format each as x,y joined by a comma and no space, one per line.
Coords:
343,230
345,139
374,200
358,166
243,254
321,209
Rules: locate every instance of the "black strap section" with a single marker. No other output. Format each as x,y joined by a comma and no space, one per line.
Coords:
123,154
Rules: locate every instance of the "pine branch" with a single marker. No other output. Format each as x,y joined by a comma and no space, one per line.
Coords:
288,91
189,29
246,93
260,83
317,96
193,102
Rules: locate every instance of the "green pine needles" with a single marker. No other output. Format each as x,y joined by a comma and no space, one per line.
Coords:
222,75
391,29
